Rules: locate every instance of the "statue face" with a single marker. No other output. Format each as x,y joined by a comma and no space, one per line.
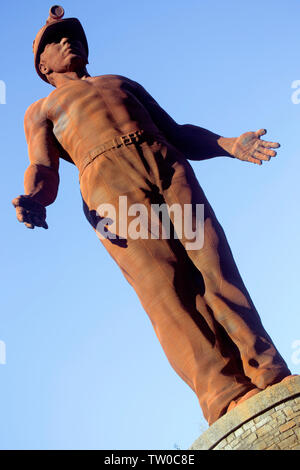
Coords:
63,55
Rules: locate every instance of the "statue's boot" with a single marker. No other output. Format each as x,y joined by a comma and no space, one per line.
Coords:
253,392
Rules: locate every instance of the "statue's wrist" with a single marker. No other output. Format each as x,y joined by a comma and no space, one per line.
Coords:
228,145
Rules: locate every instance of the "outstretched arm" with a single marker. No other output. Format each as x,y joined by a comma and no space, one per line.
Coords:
41,179
200,144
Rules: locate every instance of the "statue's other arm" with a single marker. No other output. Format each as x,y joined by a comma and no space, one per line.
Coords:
41,179
200,144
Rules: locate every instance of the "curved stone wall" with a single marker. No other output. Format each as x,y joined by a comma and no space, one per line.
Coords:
269,420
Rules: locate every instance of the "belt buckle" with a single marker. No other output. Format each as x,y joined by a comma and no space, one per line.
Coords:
133,138
127,139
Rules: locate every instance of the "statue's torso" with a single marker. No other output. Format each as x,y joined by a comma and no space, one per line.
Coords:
86,113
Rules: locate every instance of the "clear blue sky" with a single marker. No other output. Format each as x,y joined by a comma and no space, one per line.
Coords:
84,369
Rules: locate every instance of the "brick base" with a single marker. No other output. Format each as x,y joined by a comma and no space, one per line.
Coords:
269,420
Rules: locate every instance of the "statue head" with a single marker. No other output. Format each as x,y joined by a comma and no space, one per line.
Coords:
60,45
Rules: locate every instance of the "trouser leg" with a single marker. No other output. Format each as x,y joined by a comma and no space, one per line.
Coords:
225,293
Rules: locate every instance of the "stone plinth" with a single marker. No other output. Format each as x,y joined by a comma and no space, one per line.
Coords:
269,420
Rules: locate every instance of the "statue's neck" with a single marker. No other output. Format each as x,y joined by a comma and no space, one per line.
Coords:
60,79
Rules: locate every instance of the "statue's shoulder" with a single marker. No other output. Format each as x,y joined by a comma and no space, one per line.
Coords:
108,77
35,110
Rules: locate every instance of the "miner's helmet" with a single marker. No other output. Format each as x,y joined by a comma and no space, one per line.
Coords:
56,26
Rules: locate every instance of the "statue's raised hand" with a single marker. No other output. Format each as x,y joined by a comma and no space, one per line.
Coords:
30,212
250,148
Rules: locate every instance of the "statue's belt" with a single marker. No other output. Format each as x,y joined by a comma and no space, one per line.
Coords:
137,137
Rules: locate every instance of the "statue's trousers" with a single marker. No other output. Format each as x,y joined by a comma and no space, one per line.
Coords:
196,300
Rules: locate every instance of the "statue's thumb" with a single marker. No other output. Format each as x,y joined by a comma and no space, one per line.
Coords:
261,132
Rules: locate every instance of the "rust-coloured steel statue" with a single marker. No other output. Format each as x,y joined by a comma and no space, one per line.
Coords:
124,144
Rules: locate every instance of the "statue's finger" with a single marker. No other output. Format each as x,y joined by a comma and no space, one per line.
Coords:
15,201
254,160
266,151
21,214
28,219
39,221
260,132
272,145
261,156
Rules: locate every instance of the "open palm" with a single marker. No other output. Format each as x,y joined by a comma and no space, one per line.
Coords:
250,148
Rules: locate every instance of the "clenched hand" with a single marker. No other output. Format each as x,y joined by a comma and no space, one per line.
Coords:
30,212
